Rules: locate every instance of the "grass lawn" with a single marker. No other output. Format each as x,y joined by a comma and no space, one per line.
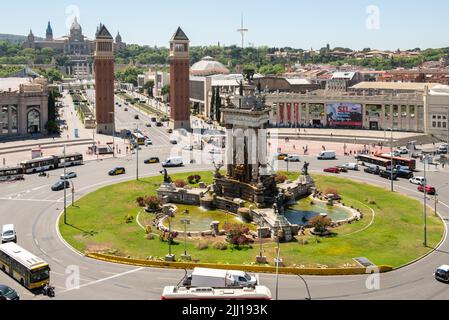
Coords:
97,224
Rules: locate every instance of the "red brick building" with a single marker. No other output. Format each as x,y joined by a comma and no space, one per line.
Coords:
104,81
179,81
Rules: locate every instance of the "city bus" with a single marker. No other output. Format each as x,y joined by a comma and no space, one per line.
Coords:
366,159
11,174
71,159
183,293
29,270
139,138
399,161
40,164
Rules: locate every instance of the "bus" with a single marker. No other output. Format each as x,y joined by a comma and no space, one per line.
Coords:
29,270
11,174
399,161
184,293
139,138
381,162
71,159
40,164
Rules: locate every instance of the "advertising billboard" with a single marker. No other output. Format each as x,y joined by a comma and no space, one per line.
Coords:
344,115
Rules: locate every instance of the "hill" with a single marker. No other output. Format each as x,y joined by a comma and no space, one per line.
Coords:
14,38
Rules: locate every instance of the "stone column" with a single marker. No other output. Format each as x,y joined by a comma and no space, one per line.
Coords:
408,118
229,147
22,117
400,124
382,117
416,118
9,120
392,116
307,113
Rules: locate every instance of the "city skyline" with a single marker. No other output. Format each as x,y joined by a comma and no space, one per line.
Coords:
298,24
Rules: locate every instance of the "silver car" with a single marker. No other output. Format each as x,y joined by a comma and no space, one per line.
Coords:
70,175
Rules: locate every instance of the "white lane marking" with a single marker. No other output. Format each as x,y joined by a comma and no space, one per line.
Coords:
38,188
105,279
29,200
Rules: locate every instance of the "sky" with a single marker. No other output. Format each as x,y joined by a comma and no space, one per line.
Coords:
357,24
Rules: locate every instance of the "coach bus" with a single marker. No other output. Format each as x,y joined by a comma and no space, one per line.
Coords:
183,293
381,162
11,174
399,161
29,270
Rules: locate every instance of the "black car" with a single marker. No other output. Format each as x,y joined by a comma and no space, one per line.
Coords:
442,274
60,185
6,293
136,117
373,170
154,119
387,174
148,125
159,124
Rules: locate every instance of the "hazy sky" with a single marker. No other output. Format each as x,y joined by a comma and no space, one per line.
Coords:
381,24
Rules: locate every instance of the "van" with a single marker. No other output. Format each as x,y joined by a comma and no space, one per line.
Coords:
327,155
9,233
173,162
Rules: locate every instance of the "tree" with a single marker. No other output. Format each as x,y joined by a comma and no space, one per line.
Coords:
165,91
51,75
236,234
129,75
320,223
148,87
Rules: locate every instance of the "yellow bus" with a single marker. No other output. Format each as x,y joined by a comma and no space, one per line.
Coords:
29,270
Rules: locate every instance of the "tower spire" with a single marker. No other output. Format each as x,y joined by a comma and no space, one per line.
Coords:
243,31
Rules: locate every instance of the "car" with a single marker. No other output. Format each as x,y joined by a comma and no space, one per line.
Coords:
292,158
280,156
117,171
332,170
152,160
136,117
327,155
417,180
372,169
154,119
342,169
173,162
351,166
9,233
442,273
69,175
148,142
173,141
7,293
126,109
188,148
148,125
429,190
402,150
169,130
387,174
60,185
159,124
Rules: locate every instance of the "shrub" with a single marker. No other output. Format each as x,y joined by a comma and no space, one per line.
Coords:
202,245
140,201
148,230
180,183
191,179
197,178
236,234
153,203
320,223
149,236
280,178
129,218
333,191
221,246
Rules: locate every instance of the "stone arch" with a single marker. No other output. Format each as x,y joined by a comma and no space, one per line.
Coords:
34,121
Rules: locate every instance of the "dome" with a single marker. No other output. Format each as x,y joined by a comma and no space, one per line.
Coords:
440,90
75,25
208,66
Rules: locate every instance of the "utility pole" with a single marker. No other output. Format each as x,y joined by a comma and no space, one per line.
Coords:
113,133
65,189
425,202
278,259
137,154
392,164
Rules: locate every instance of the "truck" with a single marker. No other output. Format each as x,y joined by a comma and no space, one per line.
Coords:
203,277
402,172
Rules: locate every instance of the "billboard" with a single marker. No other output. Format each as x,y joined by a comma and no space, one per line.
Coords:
344,115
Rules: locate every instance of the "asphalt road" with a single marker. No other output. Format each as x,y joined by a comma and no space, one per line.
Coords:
34,209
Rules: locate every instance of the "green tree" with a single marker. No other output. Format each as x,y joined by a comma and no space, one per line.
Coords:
165,91
148,87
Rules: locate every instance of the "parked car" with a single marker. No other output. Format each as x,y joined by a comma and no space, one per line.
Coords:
292,158
332,170
442,274
417,180
148,125
69,175
403,150
126,109
117,171
351,166
7,293
154,119
173,141
9,233
429,190
152,160
60,185
372,169
169,130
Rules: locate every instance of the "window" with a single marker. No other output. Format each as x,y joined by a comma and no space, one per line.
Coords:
434,124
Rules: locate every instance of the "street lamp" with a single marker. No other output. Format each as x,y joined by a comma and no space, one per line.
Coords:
113,133
65,190
425,200
278,258
185,222
137,154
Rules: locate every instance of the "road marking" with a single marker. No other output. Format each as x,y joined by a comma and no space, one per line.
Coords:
30,200
105,279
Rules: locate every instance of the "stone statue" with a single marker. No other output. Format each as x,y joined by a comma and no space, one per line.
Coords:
305,168
279,202
217,169
167,178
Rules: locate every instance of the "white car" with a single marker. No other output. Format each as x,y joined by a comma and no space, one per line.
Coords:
417,180
292,158
148,142
69,175
188,148
402,151
9,233
215,151
351,166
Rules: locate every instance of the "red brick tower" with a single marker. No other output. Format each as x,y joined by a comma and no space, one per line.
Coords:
104,81
179,81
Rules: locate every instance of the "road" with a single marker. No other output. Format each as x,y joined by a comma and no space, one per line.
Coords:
34,209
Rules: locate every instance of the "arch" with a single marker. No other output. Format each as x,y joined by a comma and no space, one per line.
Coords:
4,120
33,121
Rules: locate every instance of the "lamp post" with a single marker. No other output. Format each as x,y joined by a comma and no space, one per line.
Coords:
278,259
113,133
185,222
65,189
425,201
137,154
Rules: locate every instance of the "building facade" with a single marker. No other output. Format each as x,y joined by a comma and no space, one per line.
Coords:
23,106
104,81
179,81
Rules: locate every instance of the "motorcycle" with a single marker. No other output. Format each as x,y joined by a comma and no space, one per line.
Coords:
48,291
42,174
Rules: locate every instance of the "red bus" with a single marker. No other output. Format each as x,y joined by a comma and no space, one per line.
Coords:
365,159
398,161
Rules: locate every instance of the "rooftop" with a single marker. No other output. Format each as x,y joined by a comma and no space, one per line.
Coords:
12,83
412,86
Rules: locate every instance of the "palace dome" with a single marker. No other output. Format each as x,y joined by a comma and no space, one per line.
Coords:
208,66
75,25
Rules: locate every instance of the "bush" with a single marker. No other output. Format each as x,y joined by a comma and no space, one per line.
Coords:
180,183
149,236
148,230
202,245
333,191
320,223
129,218
236,234
280,178
153,203
140,201
221,246
191,179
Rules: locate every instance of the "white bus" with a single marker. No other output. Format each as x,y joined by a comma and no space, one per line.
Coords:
70,160
40,164
11,174
183,293
29,270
